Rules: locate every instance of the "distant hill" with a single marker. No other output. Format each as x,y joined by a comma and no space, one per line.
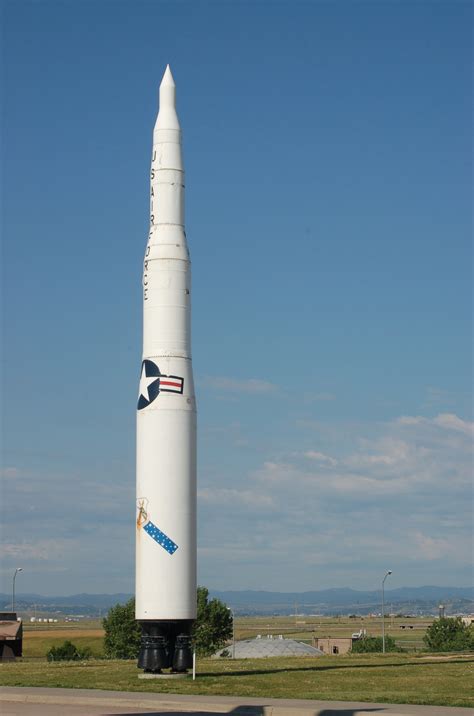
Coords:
345,595
345,601
85,604
407,600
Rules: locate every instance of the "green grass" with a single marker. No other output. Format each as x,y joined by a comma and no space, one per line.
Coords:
37,648
393,678
396,678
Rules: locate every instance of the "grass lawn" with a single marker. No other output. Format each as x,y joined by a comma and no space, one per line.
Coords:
37,644
393,678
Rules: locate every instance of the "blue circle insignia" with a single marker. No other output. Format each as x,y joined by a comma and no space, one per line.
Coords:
149,384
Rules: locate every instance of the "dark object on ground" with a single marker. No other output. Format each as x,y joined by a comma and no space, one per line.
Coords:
11,636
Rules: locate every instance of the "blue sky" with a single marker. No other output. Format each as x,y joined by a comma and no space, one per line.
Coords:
328,157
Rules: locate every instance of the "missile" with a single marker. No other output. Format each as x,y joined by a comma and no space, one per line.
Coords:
166,415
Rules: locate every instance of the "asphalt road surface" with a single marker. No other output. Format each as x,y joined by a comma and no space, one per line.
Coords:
90,702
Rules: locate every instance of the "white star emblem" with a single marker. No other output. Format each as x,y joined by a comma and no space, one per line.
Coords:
146,381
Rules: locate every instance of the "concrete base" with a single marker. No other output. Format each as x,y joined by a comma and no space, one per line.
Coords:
163,676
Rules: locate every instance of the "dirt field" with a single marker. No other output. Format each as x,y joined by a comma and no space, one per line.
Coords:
408,633
62,633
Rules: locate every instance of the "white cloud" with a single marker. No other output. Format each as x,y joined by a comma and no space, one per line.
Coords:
448,421
436,548
400,493
43,549
320,457
285,512
452,422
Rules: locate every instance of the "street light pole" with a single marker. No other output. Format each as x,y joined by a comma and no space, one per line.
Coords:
18,569
383,610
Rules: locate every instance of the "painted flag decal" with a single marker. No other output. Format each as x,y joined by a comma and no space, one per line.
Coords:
153,382
171,384
160,537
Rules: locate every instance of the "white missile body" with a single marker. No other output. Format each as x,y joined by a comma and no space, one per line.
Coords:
166,418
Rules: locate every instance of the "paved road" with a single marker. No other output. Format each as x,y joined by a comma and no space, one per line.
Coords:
90,702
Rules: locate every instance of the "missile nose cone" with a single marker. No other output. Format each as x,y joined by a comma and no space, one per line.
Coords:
167,78
167,117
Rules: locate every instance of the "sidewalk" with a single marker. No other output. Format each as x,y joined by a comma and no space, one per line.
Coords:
25,701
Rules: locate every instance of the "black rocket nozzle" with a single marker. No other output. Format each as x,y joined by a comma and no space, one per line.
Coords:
166,645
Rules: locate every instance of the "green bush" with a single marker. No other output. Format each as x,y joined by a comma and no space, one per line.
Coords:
213,626
122,632
68,652
374,644
449,634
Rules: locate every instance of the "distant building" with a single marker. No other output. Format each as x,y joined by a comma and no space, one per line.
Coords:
330,645
268,646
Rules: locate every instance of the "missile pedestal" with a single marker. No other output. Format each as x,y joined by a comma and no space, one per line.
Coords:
166,416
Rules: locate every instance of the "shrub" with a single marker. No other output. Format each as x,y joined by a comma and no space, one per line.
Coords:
374,644
449,634
122,632
68,652
213,626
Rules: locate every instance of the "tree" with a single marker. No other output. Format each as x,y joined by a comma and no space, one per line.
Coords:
449,634
213,626
211,630
122,632
374,644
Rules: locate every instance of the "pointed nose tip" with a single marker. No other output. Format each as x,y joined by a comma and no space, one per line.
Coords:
167,118
167,80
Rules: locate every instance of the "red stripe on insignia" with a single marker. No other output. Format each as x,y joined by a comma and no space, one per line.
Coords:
168,382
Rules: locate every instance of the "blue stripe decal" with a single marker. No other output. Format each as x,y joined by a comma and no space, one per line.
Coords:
160,537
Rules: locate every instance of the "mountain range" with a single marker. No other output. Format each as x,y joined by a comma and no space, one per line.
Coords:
406,600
